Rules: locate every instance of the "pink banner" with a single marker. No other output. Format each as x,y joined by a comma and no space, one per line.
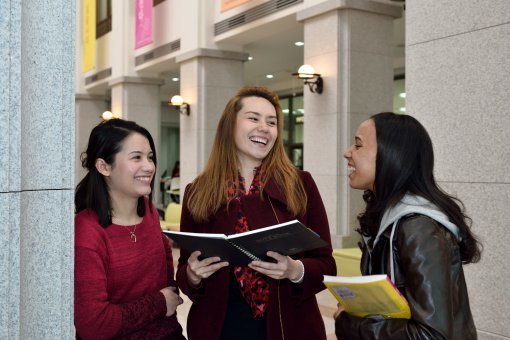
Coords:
143,25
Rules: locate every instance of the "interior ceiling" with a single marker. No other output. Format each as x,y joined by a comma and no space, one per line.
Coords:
274,52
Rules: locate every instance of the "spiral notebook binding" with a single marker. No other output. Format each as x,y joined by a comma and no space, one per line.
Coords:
244,251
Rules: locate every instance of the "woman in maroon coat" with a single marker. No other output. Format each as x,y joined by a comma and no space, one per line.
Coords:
250,183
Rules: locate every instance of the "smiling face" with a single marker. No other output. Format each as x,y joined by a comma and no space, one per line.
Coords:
131,173
361,157
255,130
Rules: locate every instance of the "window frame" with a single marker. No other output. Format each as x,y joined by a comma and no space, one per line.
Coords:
103,26
289,125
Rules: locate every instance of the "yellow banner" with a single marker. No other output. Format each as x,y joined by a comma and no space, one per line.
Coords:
89,34
228,4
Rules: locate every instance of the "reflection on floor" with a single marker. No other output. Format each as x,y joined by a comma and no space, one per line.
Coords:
327,306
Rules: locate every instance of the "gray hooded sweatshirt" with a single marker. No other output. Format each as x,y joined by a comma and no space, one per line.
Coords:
411,204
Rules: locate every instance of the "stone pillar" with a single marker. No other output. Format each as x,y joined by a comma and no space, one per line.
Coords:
209,78
350,44
36,169
137,99
122,38
89,109
457,85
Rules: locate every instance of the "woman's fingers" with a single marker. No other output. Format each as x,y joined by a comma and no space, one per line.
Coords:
339,310
205,267
208,270
172,299
275,274
278,257
273,270
194,256
284,268
210,260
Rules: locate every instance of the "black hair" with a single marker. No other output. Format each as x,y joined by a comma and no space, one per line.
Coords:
405,164
105,141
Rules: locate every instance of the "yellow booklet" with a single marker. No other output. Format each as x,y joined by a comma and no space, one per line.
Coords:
368,295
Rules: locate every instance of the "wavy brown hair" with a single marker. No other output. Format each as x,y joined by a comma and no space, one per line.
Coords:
209,190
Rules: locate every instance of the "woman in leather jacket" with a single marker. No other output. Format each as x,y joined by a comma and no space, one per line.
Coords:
412,231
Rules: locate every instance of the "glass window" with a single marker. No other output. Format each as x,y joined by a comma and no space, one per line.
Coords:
103,17
399,95
284,103
293,124
297,157
298,115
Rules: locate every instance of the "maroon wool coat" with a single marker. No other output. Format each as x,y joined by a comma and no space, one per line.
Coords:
292,311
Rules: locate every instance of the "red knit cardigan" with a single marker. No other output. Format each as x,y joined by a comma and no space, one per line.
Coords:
117,282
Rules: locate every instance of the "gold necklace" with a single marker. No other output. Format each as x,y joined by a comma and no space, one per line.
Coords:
132,233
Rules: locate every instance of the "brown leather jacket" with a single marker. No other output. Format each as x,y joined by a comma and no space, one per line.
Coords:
428,272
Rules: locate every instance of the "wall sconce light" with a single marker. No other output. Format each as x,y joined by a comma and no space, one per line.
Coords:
107,115
179,102
314,80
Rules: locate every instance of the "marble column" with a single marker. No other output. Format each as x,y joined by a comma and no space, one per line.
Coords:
89,109
137,99
209,78
457,85
350,44
36,169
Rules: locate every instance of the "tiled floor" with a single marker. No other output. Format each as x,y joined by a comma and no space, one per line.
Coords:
327,306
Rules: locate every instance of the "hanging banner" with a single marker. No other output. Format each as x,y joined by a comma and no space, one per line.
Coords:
228,4
89,35
143,24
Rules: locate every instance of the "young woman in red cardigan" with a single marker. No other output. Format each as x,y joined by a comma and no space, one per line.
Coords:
250,183
123,278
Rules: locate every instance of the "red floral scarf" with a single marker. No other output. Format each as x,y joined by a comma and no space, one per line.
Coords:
253,285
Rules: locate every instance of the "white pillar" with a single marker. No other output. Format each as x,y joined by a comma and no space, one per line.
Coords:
137,99
209,78
350,44
89,109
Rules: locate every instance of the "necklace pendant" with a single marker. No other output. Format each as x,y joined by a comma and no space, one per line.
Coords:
133,237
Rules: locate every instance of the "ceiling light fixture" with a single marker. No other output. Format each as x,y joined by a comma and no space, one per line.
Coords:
310,78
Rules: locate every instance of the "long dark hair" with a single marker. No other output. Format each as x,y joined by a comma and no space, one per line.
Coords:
405,164
105,142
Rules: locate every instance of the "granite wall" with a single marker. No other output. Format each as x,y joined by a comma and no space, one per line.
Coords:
457,84
36,169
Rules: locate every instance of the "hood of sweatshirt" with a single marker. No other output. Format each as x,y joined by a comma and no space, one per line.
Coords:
411,204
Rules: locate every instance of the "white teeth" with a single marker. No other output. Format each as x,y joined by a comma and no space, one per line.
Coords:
259,140
351,168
